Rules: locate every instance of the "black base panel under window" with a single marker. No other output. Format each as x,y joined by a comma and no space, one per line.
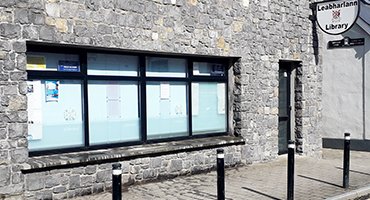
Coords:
356,145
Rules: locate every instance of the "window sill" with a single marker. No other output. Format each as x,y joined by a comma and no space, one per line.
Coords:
67,160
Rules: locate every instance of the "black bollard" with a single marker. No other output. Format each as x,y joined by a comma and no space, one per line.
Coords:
220,175
116,181
291,152
347,142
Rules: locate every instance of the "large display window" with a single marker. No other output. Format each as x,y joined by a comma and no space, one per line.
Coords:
208,107
82,99
166,110
113,112
55,114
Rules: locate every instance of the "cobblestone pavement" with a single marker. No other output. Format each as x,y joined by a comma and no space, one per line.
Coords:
314,179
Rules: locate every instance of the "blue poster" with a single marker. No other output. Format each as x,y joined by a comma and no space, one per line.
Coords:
69,66
52,91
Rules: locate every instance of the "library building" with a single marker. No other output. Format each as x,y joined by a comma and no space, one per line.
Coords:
159,85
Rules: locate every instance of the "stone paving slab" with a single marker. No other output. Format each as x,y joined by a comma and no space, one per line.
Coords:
314,179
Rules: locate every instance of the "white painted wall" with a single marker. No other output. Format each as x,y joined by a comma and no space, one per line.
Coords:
346,102
366,64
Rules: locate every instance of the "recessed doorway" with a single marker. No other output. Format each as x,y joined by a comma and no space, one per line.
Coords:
286,104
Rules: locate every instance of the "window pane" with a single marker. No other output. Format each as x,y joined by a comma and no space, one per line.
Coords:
113,112
165,67
55,114
208,69
53,62
208,108
112,65
166,110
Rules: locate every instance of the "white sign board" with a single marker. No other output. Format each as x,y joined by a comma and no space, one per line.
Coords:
336,17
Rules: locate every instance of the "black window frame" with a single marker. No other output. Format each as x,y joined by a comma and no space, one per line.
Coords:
141,79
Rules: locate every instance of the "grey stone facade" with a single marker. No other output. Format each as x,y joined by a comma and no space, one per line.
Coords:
260,32
68,183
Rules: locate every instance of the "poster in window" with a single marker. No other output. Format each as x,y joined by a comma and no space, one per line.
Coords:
195,98
36,62
52,91
165,91
34,110
113,99
221,104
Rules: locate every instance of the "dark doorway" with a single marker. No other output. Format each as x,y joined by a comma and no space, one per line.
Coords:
285,72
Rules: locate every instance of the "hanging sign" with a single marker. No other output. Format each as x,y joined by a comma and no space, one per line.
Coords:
346,42
336,17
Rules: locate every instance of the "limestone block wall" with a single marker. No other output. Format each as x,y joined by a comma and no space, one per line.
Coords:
85,180
260,32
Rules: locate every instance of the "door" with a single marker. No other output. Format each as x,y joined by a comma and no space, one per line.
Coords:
284,106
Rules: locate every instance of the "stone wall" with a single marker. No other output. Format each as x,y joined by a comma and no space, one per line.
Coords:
261,32
13,103
78,181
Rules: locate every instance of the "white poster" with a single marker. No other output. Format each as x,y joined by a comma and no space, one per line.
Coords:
221,98
165,91
113,100
34,107
195,99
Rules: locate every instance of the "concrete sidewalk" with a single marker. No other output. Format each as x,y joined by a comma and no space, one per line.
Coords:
315,179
